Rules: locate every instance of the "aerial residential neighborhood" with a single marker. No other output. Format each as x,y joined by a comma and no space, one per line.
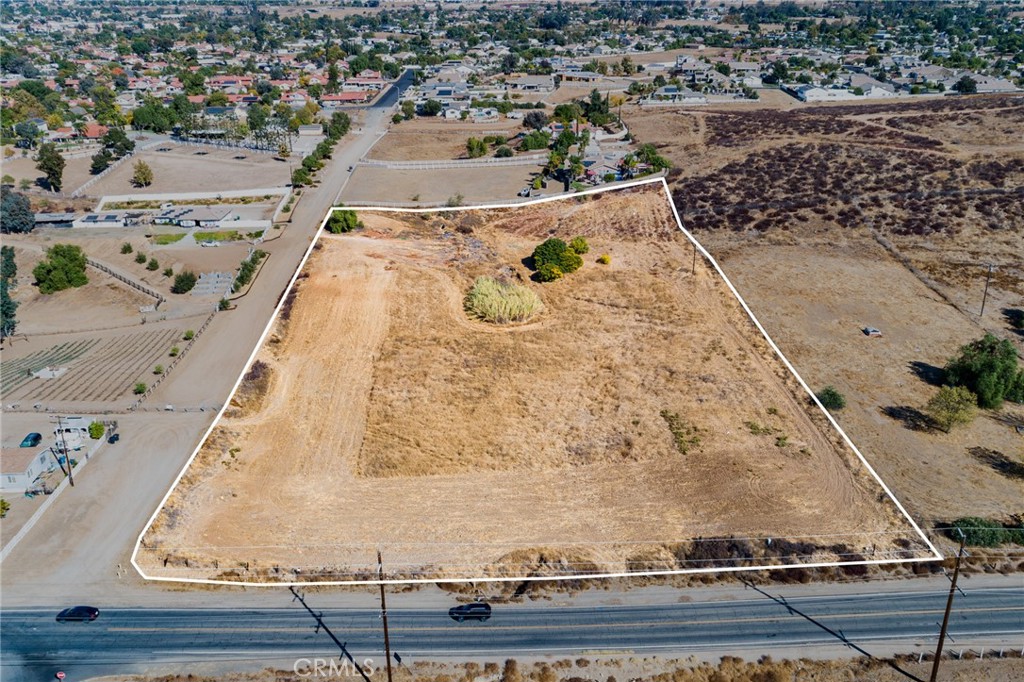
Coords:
511,340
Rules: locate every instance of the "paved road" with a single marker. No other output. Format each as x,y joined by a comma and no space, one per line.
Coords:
35,646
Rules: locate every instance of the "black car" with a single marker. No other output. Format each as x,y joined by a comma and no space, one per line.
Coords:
475,611
78,614
114,437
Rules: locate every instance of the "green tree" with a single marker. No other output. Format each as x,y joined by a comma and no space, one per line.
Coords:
432,107
63,268
96,430
51,164
142,174
556,252
8,266
8,311
966,85
831,399
408,109
183,282
988,368
952,406
116,140
342,221
16,214
101,161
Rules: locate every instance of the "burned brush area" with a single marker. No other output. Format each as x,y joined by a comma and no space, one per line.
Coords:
894,190
736,129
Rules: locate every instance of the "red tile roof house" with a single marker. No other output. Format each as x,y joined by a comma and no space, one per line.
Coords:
342,98
94,131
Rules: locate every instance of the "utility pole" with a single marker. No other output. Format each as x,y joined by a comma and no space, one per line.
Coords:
321,624
949,605
384,614
64,445
984,298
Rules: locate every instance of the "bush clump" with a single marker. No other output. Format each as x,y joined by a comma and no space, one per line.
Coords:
979,532
831,399
501,302
139,389
549,272
183,282
96,430
604,259
556,252
341,222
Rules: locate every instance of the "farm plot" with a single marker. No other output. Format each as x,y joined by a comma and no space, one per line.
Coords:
637,422
101,370
15,373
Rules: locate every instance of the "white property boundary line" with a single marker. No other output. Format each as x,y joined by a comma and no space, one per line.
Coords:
936,555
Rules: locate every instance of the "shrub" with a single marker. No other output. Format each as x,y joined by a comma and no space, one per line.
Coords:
549,272
831,399
168,272
153,264
548,251
159,369
224,304
140,258
174,351
979,532
139,389
604,259
342,221
579,245
126,248
5,507
189,335
503,152
63,268
96,430
952,406
183,282
500,302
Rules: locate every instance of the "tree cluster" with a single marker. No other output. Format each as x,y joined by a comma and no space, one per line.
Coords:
63,268
988,368
8,306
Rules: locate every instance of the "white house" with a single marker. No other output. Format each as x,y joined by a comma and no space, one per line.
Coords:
19,467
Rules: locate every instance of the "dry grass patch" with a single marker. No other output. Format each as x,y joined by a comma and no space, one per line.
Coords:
501,302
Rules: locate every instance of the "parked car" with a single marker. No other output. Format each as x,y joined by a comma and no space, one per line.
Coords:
78,614
475,611
31,440
114,437
525,192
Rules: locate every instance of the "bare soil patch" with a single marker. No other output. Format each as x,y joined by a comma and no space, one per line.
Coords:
183,170
369,184
639,413
416,144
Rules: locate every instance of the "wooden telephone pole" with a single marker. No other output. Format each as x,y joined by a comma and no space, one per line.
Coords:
67,455
384,614
949,606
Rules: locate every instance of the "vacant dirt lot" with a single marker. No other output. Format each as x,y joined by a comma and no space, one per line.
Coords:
369,184
639,412
412,141
183,169
832,218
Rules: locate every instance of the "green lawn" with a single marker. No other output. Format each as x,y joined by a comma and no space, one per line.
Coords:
218,236
165,239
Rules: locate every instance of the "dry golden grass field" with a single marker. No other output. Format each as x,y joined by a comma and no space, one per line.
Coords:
639,414
832,218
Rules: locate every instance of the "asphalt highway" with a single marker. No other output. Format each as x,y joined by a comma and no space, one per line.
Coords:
35,646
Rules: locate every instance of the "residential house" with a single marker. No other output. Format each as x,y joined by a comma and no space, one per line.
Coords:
20,467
